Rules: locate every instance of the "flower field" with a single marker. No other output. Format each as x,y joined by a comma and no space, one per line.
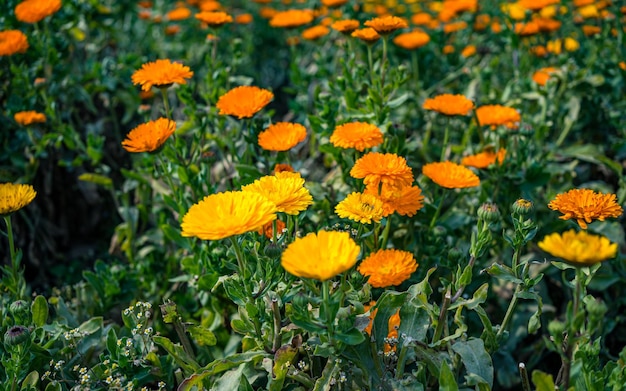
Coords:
313,195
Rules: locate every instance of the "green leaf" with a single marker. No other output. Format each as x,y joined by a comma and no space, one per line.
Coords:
283,355
543,381
447,382
186,362
54,386
351,337
475,358
502,272
217,367
387,305
327,379
202,336
39,310
415,322
30,381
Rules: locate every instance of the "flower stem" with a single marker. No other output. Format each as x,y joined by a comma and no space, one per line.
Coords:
446,136
509,313
438,211
16,276
330,318
383,243
442,316
166,103
370,63
382,68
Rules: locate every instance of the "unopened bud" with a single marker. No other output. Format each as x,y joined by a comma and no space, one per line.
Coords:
16,335
273,250
522,207
19,309
488,212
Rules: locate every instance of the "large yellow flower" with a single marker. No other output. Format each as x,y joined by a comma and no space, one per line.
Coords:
291,18
362,208
449,104
450,175
320,256
357,135
150,136
14,197
222,215
388,267
386,24
579,248
404,200
12,42
32,11
496,115
284,189
25,118
244,101
586,205
161,73
388,168
282,136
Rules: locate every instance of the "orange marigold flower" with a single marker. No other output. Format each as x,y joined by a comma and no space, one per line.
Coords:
320,256
579,248
360,207
589,30
449,104
525,29
150,136
468,51
210,5
291,18
244,18
388,267
315,32
172,29
496,115
179,13
484,159
535,5
244,101
161,74
412,40
404,200
448,49
29,117
542,76
268,229
214,19
450,175
368,35
586,205
622,65
32,11
393,324
454,26
282,167
284,189
12,42
222,215
346,26
388,168
386,24
357,135
334,3
421,19
14,197
282,136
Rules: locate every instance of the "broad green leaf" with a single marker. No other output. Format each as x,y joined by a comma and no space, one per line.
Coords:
54,386
351,337
387,305
282,357
219,366
414,323
475,358
202,335
447,382
186,362
39,310
326,381
30,381
543,381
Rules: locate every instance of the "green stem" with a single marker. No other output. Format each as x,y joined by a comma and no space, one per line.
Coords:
509,313
166,103
442,316
416,70
571,333
524,375
383,243
370,63
401,361
438,211
446,136
330,318
382,68
277,335
241,264
16,276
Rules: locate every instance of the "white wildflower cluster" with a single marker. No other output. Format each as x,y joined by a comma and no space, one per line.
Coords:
74,335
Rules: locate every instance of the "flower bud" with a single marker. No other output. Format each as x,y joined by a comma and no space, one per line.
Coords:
16,335
522,207
488,212
19,309
273,250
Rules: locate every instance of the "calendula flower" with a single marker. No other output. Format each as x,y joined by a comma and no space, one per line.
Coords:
284,189
412,40
281,167
14,197
244,101
449,104
12,42
403,200
579,248
150,136
360,207
179,13
315,32
268,229
320,256
536,5
346,26
496,115
25,118
542,76
161,74
586,205
291,18
450,175
367,35
209,5
454,26
32,11
589,30
244,18
376,168
468,51
214,19
388,267
484,159
386,24
334,3
282,136
421,19
357,135
222,215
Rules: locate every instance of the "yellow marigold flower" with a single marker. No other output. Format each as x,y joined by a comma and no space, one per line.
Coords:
368,35
360,207
222,215
388,267
404,200
334,3
284,189
291,18
484,159
320,256
388,168
496,115
29,117
179,13
214,19
12,42
449,104
586,205
386,24
282,136
244,101
579,248
571,45
412,40
450,175
161,74
315,32
32,11
150,136
357,135
542,76
346,26
14,197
